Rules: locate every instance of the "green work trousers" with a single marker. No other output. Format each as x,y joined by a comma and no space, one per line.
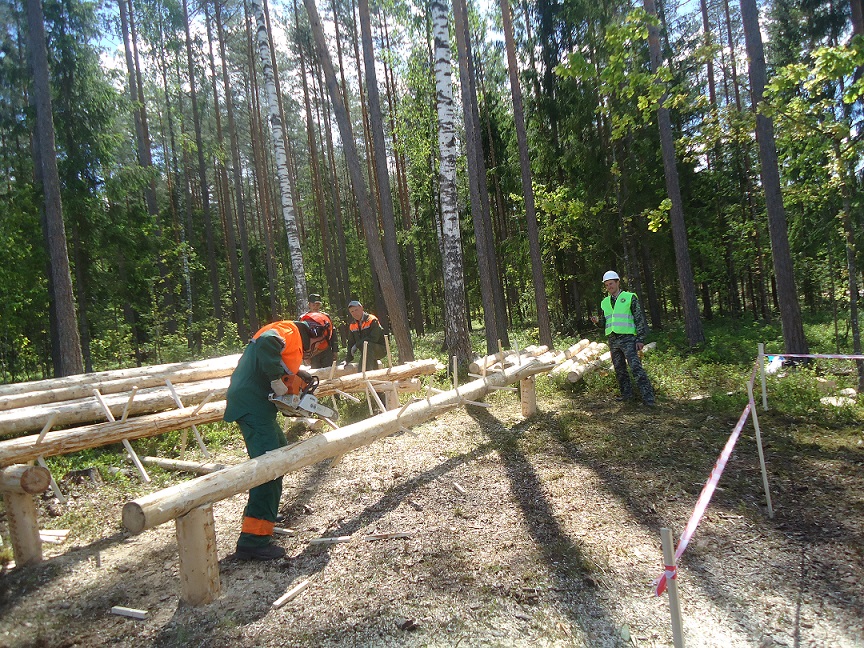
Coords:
262,434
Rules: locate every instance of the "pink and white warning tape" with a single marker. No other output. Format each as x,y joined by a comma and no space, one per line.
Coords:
822,356
704,498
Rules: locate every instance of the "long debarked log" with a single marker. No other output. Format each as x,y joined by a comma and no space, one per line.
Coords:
155,377
116,374
578,372
155,399
25,449
170,503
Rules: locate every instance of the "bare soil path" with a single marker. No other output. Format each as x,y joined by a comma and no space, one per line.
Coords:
538,532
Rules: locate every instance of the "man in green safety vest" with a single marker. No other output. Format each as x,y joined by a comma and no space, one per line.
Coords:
626,329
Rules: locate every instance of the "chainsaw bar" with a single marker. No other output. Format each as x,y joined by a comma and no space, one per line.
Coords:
302,404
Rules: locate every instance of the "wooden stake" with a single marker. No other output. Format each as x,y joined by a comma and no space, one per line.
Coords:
458,488
330,540
759,448
672,587
206,400
195,432
365,351
371,391
387,346
48,424
129,404
126,444
290,594
185,466
762,373
54,487
199,563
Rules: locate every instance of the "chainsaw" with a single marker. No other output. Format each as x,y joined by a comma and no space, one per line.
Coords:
303,403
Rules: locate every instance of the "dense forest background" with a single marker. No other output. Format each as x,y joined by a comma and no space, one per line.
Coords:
177,173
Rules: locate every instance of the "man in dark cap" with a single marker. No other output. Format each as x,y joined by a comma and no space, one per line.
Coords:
365,327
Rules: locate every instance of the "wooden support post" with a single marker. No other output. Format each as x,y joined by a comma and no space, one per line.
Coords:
199,563
672,588
762,373
370,390
206,400
126,444
528,394
365,353
19,484
759,448
195,432
391,398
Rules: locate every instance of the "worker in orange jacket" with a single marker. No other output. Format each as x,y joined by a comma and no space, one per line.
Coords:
269,364
329,347
365,327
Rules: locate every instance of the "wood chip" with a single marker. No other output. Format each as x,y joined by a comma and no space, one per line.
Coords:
458,488
290,594
388,536
132,613
332,540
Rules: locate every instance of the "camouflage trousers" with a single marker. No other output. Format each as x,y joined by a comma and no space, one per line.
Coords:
623,351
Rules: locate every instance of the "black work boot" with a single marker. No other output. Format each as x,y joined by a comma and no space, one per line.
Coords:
268,552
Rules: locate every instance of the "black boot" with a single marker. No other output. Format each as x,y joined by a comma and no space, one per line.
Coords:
268,552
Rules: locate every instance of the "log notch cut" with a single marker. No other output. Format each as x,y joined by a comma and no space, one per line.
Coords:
19,484
179,500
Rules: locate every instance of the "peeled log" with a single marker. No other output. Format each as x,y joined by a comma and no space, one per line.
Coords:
583,370
117,374
25,449
356,382
170,503
177,374
88,410
21,479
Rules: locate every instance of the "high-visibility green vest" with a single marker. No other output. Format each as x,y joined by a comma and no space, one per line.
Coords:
619,319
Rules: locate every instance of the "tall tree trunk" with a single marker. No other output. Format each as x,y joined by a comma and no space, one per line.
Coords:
455,318
69,359
225,205
527,189
790,311
382,174
291,232
237,178
692,323
210,238
395,305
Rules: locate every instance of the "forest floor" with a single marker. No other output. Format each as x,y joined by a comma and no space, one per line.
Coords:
554,542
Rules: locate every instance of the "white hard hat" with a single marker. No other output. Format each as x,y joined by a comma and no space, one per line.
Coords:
611,274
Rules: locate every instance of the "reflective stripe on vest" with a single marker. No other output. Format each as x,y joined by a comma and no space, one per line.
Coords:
292,343
363,324
620,318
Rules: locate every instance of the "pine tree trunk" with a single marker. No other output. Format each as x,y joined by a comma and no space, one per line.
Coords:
528,191
68,361
455,318
291,231
790,311
395,305
692,323
210,238
382,174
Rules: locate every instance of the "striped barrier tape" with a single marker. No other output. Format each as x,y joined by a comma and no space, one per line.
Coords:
820,356
704,498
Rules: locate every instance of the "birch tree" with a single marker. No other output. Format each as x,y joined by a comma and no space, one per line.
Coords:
291,232
455,319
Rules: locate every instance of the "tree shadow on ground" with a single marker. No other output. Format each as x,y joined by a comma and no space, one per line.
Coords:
656,463
565,558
